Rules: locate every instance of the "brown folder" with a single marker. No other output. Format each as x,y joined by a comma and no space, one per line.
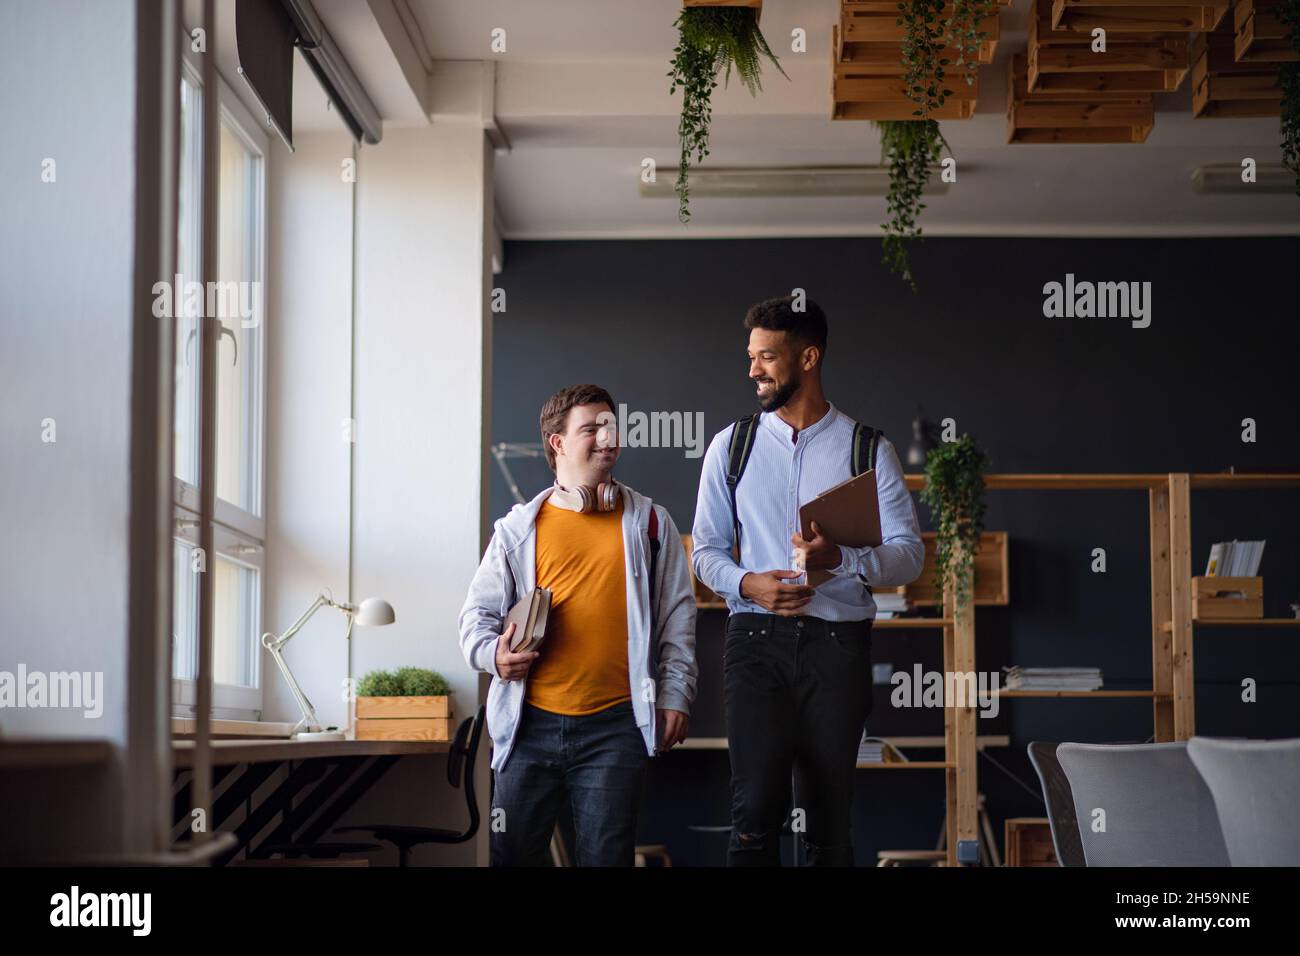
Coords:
848,513
529,617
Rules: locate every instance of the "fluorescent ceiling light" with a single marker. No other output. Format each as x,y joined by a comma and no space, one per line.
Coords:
777,181
1226,178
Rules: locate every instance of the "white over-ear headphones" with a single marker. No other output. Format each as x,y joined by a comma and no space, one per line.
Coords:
583,499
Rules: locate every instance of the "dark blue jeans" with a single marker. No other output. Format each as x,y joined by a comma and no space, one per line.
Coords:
597,760
798,692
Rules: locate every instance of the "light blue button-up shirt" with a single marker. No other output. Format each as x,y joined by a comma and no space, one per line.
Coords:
784,473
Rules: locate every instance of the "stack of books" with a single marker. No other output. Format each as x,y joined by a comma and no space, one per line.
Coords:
871,750
1235,559
1053,678
890,605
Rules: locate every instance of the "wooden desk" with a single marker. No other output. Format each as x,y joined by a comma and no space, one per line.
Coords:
230,752
324,779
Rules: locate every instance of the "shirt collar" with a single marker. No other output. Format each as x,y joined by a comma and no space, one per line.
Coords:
786,431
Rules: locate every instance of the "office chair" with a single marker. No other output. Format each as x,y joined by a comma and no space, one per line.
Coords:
1158,810
1060,803
1255,785
460,772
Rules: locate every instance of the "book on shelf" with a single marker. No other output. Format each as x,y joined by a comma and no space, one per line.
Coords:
1234,559
890,605
1053,678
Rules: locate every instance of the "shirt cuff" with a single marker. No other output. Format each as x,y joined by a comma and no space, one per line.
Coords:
848,565
730,583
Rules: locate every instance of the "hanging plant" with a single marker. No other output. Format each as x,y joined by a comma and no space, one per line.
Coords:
709,39
923,59
954,493
1289,77
964,28
910,147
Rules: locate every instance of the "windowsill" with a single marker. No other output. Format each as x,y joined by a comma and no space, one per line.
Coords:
183,727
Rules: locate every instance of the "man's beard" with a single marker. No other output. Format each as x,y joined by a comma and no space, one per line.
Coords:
780,396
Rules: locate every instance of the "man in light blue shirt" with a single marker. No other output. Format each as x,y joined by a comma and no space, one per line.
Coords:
796,660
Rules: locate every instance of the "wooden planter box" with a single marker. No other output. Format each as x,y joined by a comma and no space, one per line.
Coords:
872,87
1261,36
1063,61
1116,16
1219,598
403,718
1223,88
869,30
1051,117
991,577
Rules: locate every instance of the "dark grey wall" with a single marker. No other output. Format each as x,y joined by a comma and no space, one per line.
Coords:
659,325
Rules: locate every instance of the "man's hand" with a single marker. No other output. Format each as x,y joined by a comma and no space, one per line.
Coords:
820,552
512,666
768,589
673,727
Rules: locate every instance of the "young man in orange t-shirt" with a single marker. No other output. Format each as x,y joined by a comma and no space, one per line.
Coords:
614,679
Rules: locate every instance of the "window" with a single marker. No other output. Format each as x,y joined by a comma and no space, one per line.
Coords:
234,296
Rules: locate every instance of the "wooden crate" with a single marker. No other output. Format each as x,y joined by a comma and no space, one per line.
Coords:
1153,16
991,583
756,4
1029,842
1215,598
869,30
1223,88
1261,36
872,87
1063,61
1051,117
404,718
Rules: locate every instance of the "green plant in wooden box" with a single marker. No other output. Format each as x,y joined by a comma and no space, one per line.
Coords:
411,703
405,682
710,39
1289,78
931,29
910,147
954,493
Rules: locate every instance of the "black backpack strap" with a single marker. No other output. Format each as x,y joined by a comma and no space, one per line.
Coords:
865,440
742,444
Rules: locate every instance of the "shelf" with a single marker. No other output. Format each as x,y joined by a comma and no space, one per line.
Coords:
1106,482
1002,692
1265,622
935,741
908,765
909,623
61,754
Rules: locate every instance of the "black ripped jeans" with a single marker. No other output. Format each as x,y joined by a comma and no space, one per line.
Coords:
798,692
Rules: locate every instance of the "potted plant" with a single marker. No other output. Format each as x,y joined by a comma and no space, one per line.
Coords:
709,39
910,147
954,493
411,703
931,30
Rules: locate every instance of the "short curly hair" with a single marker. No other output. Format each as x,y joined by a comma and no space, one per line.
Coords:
555,413
804,328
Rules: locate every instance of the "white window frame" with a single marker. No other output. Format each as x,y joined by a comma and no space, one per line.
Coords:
239,536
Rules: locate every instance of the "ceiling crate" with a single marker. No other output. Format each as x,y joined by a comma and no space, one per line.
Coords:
1153,16
1063,61
868,90
870,33
1262,37
1051,117
1223,88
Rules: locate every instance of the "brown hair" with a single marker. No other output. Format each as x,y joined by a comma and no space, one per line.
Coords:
555,413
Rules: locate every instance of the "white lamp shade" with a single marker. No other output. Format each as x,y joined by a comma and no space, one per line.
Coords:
375,612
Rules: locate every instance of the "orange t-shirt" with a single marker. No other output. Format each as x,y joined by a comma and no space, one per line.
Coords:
582,667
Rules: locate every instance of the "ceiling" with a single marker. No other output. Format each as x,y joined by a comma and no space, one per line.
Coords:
582,96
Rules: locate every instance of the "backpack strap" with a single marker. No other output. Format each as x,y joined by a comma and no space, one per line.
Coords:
742,445
865,440
654,555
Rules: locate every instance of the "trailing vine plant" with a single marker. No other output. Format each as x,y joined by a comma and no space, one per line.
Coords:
954,493
910,147
709,39
1289,77
923,59
964,28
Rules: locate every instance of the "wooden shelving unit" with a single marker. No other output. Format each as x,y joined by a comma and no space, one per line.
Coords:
1172,693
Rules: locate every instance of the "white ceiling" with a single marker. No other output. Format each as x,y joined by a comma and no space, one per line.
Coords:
582,95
